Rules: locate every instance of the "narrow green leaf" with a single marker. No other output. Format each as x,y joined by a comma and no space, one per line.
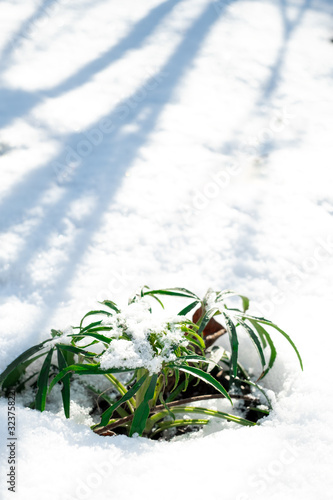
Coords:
177,390
187,291
21,358
42,382
206,377
258,387
97,336
91,313
273,325
105,417
233,342
21,385
197,344
142,290
179,423
188,308
77,350
255,340
111,304
96,329
158,300
176,372
203,322
86,369
188,379
259,410
142,412
110,401
56,333
169,412
176,292
195,358
88,327
200,340
221,296
15,375
213,413
65,391
246,303
286,336
261,330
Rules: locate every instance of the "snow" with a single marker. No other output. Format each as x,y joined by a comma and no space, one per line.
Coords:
170,143
142,349
62,337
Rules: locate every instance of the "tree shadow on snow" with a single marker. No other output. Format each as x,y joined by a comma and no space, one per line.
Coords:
23,194
26,30
132,122
289,28
246,240
20,102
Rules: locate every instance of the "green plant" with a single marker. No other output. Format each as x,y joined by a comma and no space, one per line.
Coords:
164,355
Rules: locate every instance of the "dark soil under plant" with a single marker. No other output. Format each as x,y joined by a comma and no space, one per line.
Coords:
195,391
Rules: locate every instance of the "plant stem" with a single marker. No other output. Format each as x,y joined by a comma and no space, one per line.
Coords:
143,389
210,339
205,411
179,423
158,389
180,402
121,388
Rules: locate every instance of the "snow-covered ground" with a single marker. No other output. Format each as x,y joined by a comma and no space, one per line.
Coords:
170,143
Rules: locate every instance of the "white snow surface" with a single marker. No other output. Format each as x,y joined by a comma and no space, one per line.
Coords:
138,322
170,143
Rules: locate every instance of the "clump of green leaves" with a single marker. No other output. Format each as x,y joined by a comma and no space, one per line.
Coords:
164,356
